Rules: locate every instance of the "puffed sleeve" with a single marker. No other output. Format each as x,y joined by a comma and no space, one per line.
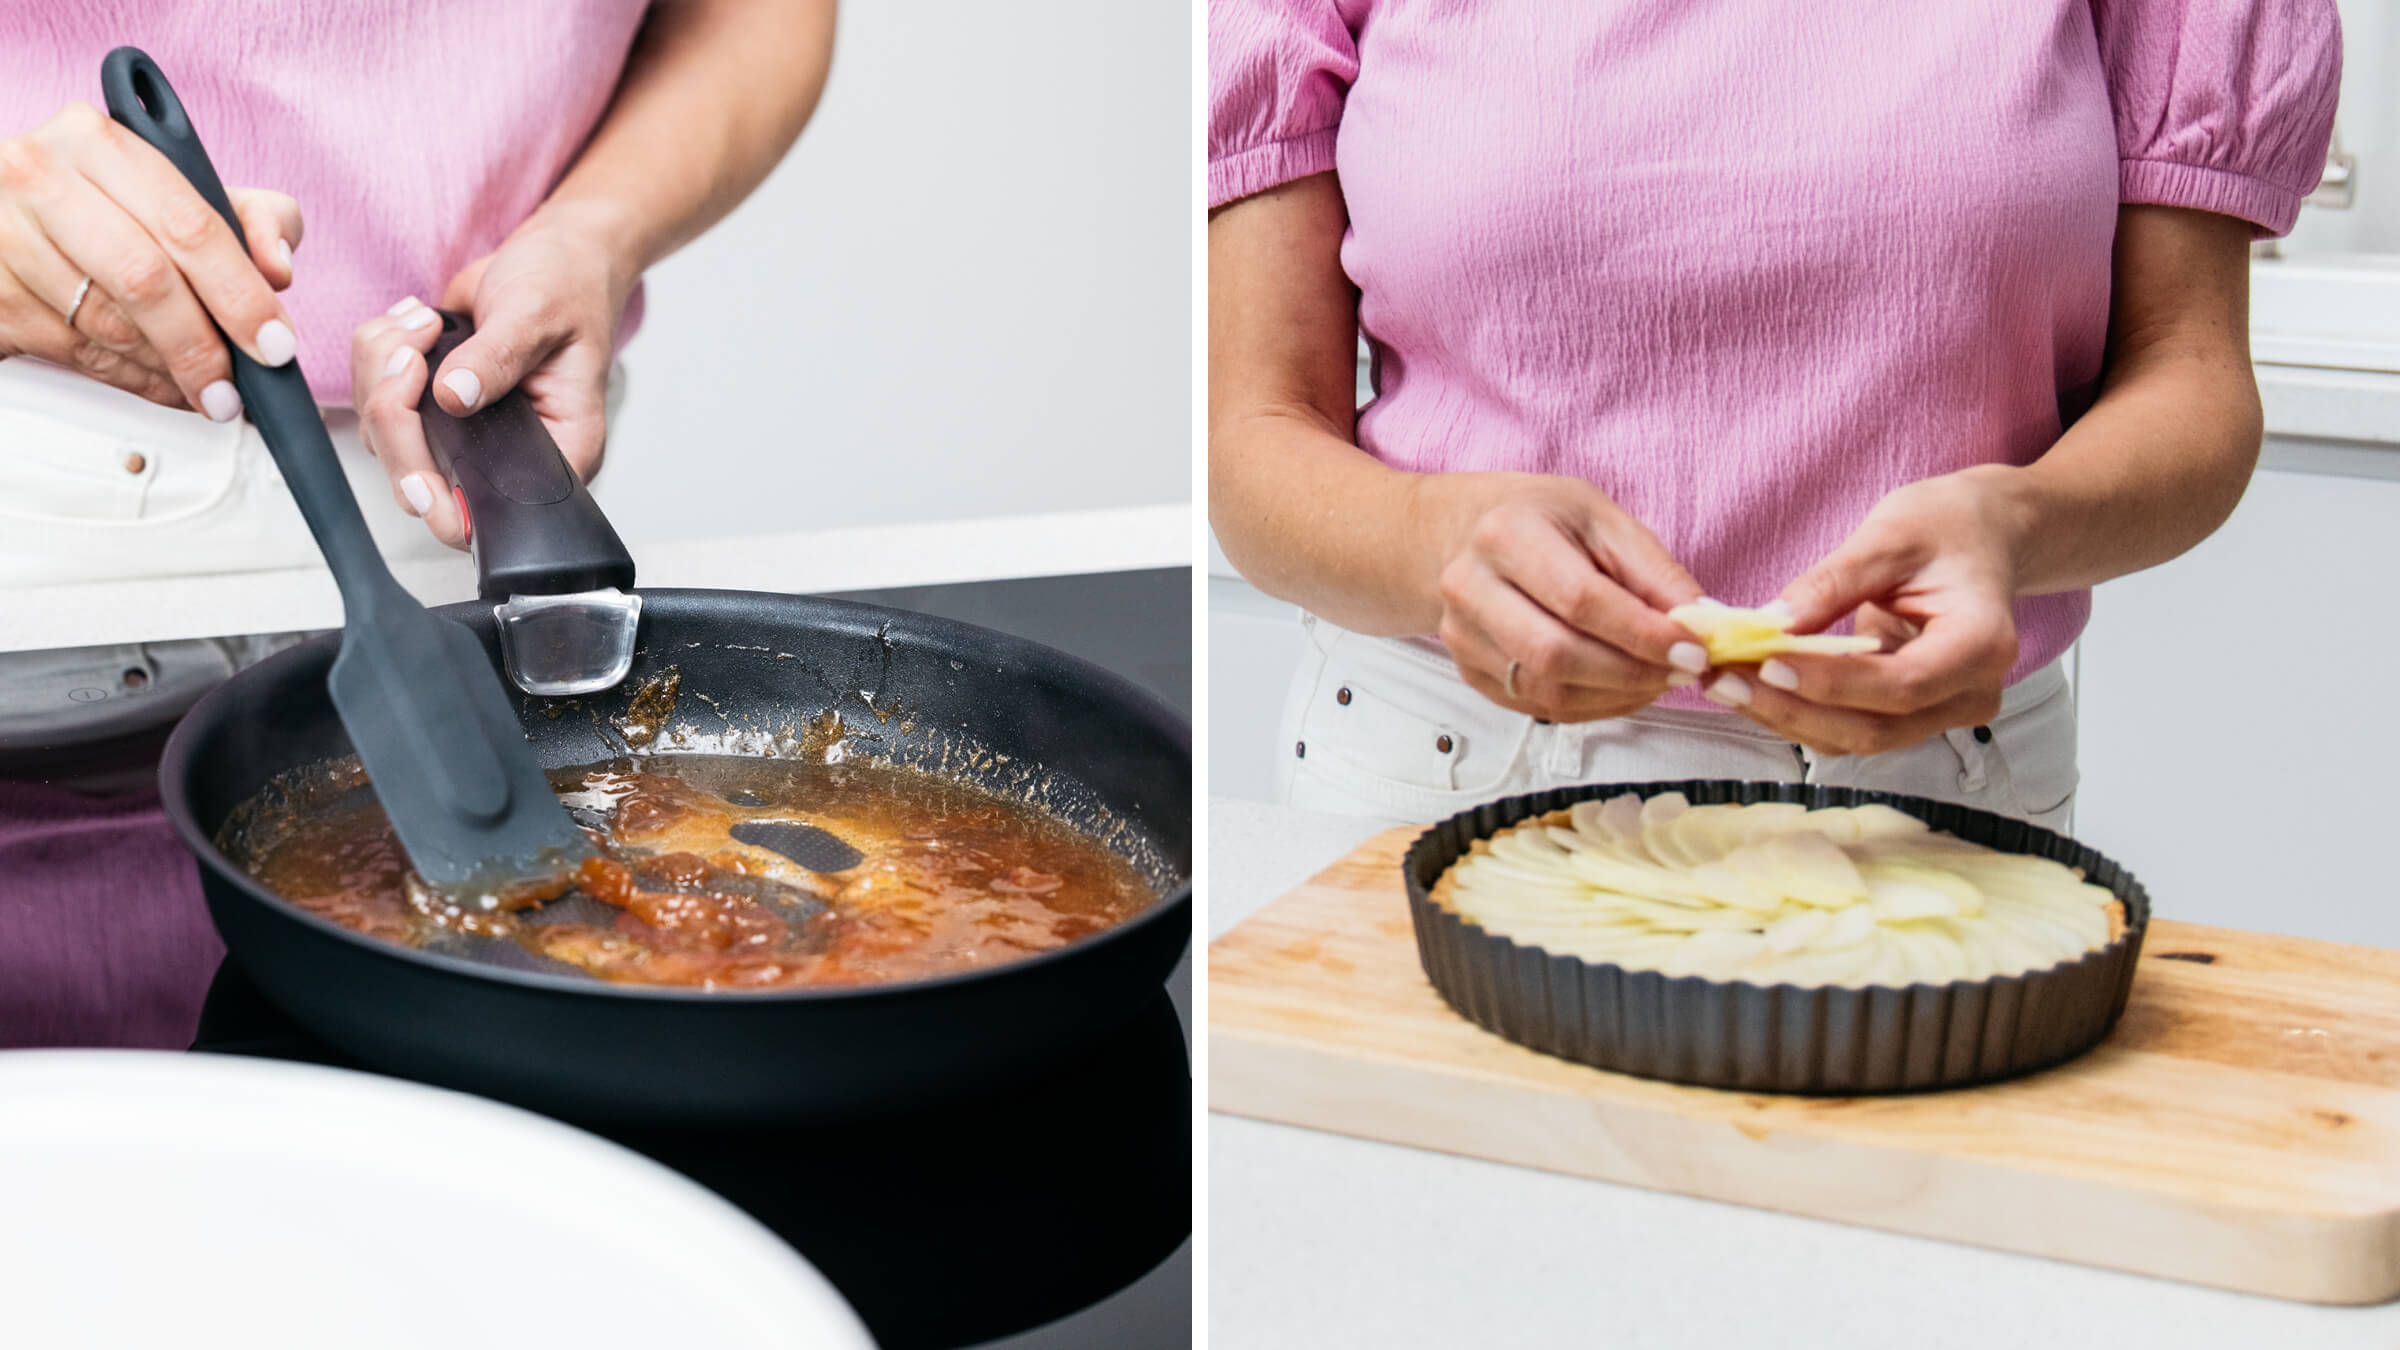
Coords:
2222,105
1277,73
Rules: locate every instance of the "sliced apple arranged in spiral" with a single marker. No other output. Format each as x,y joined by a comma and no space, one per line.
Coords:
1736,637
1775,893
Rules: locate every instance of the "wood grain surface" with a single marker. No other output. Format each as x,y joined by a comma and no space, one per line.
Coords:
2240,1128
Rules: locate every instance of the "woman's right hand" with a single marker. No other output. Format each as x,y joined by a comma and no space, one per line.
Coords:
1551,599
1546,573
81,196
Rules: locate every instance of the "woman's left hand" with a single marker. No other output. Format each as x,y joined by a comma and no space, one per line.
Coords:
546,306
1932,572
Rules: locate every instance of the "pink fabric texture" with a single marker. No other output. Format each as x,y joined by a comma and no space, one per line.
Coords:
104,940
1749,266
415,136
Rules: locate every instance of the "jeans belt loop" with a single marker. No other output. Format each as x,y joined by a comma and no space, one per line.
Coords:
1972,773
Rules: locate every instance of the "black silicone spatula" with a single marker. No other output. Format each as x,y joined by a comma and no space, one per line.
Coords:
422,704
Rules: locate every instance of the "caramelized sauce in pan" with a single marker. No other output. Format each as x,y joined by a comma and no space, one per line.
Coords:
951,879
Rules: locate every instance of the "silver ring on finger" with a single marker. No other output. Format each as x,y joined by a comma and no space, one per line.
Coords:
75,306
1510,684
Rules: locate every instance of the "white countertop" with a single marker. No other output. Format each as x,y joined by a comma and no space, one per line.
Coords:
2305,403
1321,1241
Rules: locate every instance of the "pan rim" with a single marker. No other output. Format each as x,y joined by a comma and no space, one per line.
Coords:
175,768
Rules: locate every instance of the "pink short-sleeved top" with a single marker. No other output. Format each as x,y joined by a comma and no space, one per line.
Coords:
1750,265
415,136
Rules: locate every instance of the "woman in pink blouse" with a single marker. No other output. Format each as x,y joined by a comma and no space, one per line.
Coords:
522,163
1926,318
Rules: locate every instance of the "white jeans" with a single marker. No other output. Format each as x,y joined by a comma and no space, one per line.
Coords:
125,522
1384,727
97,485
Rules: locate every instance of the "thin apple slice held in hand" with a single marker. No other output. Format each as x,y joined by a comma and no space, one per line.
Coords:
1739,637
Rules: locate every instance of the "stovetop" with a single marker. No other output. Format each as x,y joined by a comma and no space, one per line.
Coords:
944,1226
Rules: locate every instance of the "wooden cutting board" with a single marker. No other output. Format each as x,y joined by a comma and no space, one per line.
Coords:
2240,1128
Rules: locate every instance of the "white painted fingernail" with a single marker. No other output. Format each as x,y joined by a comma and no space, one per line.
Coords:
464,384
1779,675
419,494
405,304
276,345
1689,656
399,361
220,401
1777,608
1731,690
283,251
421,317
1682,679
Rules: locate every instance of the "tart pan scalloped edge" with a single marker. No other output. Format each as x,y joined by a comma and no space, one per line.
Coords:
1774,1038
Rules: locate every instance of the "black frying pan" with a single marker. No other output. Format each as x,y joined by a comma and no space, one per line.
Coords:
582,1048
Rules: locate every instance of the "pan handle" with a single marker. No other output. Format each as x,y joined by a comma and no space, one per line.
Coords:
532,526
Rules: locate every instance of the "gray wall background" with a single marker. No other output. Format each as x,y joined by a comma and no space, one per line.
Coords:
966,292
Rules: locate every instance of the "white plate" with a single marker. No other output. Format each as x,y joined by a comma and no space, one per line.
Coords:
151,1199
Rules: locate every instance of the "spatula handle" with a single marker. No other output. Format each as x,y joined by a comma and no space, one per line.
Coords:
276,399
533,527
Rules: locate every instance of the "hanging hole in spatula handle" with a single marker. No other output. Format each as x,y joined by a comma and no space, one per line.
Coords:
533,527
139,98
